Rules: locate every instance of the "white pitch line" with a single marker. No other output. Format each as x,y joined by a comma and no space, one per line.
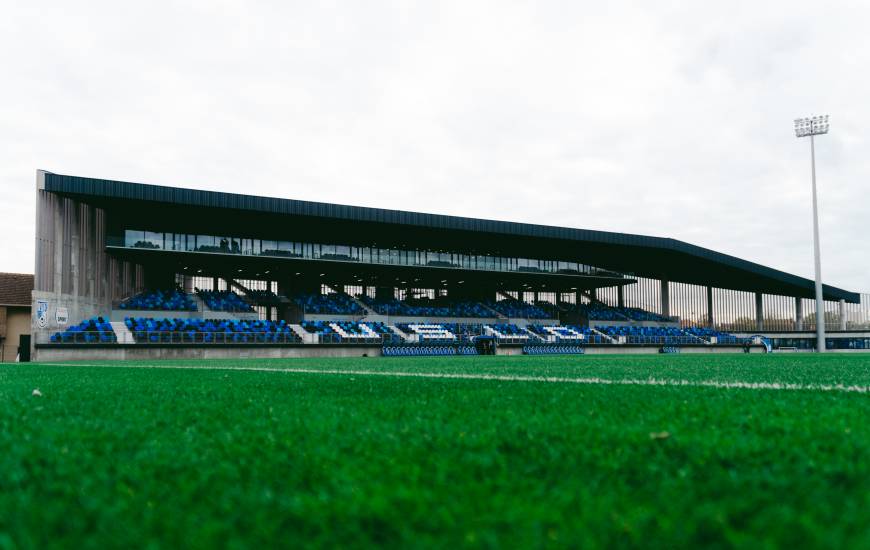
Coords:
776,386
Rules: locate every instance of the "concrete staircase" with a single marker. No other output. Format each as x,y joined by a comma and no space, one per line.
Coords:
606,337
489,331
307,337
496,314
369,311
534,336
122,333
698,338
208,313
401,334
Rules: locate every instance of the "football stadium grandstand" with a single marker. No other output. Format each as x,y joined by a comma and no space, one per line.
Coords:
128,270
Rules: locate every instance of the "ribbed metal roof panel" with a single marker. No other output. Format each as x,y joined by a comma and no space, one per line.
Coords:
74,185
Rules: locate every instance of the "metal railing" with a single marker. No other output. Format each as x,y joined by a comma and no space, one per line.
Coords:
180,242
191,337
266,337
82,337
176,337
381,339
658,340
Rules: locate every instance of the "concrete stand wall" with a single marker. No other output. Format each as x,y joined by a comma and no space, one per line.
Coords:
159,353
73,275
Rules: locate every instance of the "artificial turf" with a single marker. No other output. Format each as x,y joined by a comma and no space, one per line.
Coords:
121,457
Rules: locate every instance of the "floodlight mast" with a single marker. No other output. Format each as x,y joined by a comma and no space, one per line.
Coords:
812,127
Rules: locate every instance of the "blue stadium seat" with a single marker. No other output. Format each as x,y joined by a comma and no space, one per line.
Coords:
224,300
208,331
523,310
648,335
706,333
93,331
160,300
336,303
421,350
349,331
425,307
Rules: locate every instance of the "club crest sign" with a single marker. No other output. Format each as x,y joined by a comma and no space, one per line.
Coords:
42,313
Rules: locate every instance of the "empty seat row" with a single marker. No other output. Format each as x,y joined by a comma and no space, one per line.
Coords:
508,330
147,330
560,332
426,350
224,300
425,307
522,310
663,335
336,303
92,331
263,297
338,331
160,300
708,334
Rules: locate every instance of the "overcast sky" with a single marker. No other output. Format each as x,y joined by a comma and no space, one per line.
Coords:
662,118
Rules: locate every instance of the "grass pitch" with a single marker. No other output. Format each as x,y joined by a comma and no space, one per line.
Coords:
713,451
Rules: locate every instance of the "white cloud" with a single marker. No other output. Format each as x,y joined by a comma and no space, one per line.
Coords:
654,118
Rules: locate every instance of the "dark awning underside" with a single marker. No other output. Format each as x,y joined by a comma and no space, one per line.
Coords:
639,255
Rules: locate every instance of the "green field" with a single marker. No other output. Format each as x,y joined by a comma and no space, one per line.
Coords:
713,451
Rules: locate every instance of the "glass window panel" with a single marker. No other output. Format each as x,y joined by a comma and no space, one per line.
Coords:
131,237
177,240
206,243
269,248
153,240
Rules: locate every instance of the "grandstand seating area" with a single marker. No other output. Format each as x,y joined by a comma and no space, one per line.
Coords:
428,332
266,297
427,308
343,304
505,330
150,330
648,335
637,314
597,311
336,303
338,331
92,331
708,333
160,300
224,300
463,331
521,310
147,330
561,333
170,330
381,328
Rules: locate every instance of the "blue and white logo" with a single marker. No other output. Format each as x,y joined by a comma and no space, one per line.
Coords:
42,313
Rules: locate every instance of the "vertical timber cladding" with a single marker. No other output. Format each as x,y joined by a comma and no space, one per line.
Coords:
72,268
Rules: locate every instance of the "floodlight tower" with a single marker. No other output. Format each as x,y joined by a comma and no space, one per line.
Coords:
812,127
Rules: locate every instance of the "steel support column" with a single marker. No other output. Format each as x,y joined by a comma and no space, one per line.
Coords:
759,312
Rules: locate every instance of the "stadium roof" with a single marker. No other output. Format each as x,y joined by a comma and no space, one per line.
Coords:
639,255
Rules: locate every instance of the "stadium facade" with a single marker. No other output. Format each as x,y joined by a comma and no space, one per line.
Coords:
133,270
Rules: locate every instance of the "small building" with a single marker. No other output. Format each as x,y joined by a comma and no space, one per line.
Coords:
15,300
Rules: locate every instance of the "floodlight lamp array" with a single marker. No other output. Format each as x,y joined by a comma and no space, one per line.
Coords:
811,126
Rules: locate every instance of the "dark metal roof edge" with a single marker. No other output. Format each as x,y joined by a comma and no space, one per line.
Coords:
77,185
762,270
58,183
